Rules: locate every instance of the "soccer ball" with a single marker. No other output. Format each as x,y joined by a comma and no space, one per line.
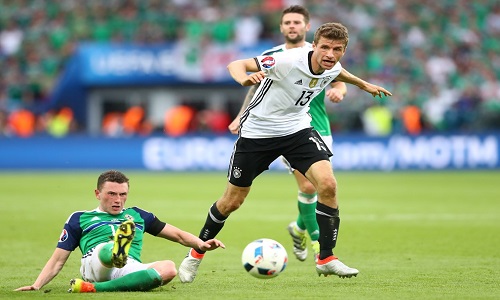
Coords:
264,258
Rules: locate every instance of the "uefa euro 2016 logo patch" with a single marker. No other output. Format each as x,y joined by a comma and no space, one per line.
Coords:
268,62
64,236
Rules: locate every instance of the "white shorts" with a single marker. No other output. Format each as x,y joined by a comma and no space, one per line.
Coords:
327,139
93,270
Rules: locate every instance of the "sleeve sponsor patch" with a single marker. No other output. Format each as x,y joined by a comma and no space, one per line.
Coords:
267,62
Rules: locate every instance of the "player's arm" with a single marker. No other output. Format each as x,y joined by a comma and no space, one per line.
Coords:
51,269
187,239
235,124
373,89
337,92
238,70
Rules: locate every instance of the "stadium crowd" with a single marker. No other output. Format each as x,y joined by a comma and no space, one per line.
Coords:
441,59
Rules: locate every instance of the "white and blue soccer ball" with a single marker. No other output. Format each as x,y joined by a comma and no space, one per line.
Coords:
264,258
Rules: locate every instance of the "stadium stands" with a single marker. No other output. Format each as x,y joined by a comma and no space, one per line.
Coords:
440,58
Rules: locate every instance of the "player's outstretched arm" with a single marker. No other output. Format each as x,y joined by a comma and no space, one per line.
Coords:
373,89
51,269
187,239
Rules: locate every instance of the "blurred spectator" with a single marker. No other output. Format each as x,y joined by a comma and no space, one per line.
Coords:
215,121
493,20
128,123
440,66
112,124
11,38
4,129
411,117
60,124
134,122
179,120
436,106
22,123
248,28
465,110
377,120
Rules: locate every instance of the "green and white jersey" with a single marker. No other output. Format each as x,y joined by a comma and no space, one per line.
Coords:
319,117
87,229
317,109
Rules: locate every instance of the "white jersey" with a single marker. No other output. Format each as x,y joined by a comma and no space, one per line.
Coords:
280,104
282,47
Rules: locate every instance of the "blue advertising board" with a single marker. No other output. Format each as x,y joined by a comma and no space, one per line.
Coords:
95,65
161,64
212,153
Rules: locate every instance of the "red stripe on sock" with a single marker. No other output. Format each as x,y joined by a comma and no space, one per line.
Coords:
326,260
196,254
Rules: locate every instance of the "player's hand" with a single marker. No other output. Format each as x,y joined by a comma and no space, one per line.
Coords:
211,245
254,78
234,127
26,288
335,95
376,90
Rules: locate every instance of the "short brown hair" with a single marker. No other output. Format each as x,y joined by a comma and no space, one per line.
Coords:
332,31
111,176
297,9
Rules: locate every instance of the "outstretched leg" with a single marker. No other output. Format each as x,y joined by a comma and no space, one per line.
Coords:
230,201
139,281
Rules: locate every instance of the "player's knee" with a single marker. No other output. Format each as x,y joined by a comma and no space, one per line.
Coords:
307,188
167,270
327,187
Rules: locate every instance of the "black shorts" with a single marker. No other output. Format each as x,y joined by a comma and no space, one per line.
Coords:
251,157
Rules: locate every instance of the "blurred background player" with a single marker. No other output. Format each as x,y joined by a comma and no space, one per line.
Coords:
294,27
114,265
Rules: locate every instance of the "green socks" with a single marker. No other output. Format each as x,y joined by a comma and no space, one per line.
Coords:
144,280
307,214
139,281
106,254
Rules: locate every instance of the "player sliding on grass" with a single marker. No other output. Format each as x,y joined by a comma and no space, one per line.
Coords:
276,123
110,238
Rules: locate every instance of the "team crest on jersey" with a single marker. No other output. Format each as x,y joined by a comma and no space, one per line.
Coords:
236,172
313,82
64,236
129,217
268,62
325,81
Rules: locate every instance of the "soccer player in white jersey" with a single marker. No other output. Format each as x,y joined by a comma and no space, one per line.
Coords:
276,123
294,26
114,265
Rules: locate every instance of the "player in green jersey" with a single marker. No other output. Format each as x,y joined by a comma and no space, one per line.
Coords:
294,26
110,238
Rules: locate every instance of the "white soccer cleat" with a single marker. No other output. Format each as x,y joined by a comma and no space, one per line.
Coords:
333,266
189,266
299,241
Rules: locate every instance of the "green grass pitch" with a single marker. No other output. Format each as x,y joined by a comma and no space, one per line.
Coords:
412,235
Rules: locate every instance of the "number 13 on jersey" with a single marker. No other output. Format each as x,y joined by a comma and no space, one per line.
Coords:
305,98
